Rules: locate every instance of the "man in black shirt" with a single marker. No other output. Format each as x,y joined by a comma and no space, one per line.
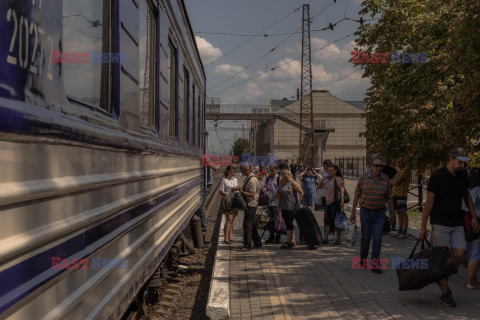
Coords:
300,167
446,189
389,170
293,169
282,165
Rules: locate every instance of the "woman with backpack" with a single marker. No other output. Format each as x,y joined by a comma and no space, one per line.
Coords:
287,202
227,184
473,247
334,181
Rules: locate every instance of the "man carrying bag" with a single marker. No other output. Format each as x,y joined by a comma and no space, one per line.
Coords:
445,191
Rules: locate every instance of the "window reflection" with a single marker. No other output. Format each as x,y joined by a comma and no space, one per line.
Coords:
82,33
147,58
173,71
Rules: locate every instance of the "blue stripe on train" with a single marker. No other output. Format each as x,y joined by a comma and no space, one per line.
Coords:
19,274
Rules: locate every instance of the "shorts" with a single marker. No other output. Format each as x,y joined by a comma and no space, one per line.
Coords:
399,203
331,211
452,237
473,251
308,200
287,216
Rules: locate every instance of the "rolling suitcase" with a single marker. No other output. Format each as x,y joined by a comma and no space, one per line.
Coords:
308,226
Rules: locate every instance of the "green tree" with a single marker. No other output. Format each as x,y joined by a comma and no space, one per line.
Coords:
421,110
240,146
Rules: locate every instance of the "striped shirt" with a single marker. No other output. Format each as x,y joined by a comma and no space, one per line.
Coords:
373,193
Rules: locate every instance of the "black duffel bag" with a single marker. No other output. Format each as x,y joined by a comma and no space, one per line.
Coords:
239,202
440,265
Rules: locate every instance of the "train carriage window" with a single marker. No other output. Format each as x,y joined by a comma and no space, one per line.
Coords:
194,133
173,69
199,122
148,59
186,105
86,37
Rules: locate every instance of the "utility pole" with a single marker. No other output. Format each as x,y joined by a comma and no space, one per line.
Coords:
306,139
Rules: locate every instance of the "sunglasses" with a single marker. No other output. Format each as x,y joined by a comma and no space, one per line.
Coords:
378,165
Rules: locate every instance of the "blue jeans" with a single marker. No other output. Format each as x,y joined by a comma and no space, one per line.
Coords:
372,226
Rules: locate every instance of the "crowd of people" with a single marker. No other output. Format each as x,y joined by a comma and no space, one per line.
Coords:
380,188
294,186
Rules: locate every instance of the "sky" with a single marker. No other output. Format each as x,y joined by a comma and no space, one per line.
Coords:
224,67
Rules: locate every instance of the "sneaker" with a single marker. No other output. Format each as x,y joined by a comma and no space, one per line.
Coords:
474,286
377,271
447,300
258,245
246,248
310,247
287,246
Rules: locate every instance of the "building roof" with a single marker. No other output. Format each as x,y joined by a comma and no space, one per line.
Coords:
357,104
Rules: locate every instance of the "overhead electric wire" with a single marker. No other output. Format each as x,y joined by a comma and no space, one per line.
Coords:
271,50
346,76
278,34
281,65
241,44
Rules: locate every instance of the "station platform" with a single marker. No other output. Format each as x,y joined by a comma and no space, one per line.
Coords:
271,283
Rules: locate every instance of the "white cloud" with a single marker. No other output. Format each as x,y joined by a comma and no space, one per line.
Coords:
207,51
331,71
230,70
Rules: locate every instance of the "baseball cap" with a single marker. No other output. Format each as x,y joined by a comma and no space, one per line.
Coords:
460,153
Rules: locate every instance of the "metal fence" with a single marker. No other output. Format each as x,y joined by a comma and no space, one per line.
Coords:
352,167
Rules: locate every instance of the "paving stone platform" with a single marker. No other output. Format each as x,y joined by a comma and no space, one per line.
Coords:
271,283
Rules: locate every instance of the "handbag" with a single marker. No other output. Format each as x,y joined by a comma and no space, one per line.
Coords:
346,197
438,265
276,225
239,201
265,197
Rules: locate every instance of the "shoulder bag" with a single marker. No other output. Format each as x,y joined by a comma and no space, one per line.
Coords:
346,198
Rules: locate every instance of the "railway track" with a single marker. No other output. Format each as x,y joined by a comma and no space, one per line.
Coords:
177,281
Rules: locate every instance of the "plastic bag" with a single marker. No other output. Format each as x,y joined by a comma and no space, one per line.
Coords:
262,220
340,221
350,234
228,202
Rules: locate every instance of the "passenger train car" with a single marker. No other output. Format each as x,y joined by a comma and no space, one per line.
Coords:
101,135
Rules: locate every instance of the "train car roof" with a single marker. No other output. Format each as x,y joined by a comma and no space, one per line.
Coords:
193,36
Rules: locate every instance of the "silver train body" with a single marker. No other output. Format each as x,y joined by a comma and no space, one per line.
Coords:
100,169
